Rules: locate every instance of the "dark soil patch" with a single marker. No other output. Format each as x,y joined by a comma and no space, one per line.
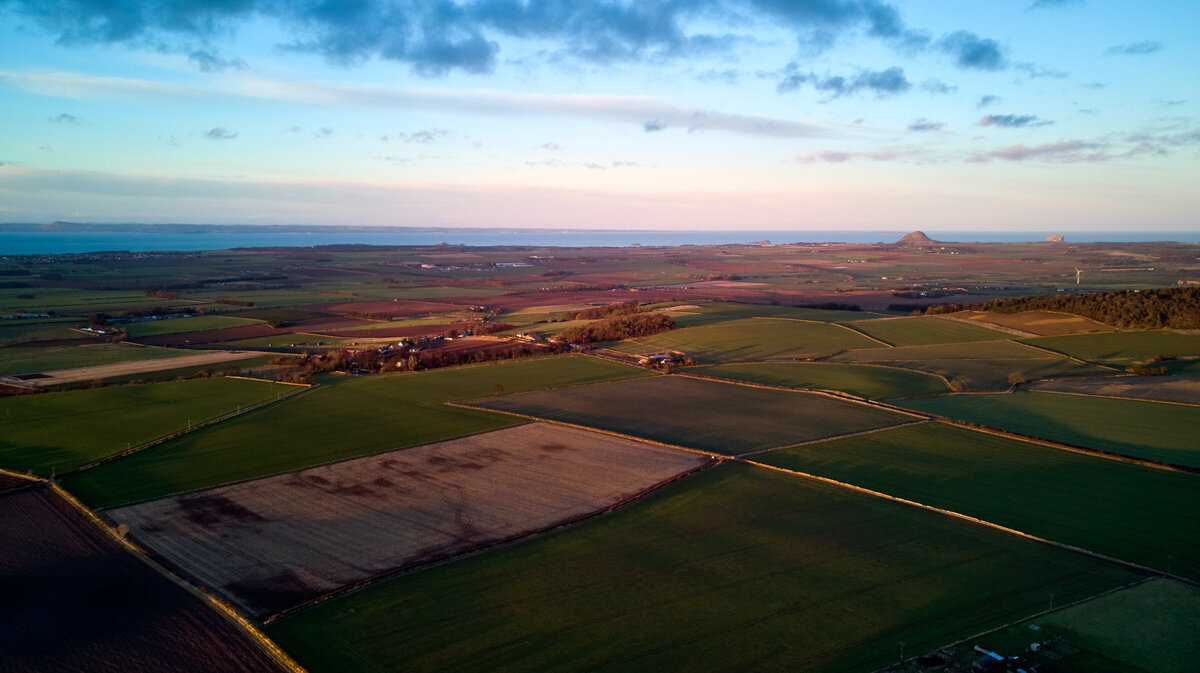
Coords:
210,510
272,594
72,600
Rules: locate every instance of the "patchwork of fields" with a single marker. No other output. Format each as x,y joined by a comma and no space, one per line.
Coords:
270,543
700,414
735,568
752,339
868,381
924,331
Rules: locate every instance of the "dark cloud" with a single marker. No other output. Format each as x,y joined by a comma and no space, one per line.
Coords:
653,126
438,36
1012,121
64,118
209,61
972,52
1134,48
985,101
880,82
323,132
219,133
938,86
924,125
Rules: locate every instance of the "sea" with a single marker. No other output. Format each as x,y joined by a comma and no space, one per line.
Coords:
63,242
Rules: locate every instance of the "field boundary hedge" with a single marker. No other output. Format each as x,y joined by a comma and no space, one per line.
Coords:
520,537
1115,397
227,611
846,436
862,333
834,394
1068,356
968,518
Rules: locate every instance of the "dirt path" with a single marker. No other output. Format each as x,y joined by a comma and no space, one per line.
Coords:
60,376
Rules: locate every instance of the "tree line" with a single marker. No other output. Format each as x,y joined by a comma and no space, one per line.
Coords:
1175,307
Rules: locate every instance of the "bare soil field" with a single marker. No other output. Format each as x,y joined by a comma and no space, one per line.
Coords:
1037,323
8,481
211,336
61,376
275,542
1159,388
72,600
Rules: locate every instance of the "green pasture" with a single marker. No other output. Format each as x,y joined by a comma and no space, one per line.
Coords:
733,569
1139,514
867,381
707,415
283,314
65,301
751,339
1122,346
1152,430
176,325
1153,627
925,331
25,360
56,432
344,418
709,312
981,365
38,329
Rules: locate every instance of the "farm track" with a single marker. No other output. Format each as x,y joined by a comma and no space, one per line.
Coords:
302,387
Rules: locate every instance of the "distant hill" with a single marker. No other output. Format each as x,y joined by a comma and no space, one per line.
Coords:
1055,238
915,240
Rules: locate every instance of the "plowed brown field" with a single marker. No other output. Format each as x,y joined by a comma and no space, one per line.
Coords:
72,600
272,543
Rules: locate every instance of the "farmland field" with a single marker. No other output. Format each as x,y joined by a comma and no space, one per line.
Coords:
924,331
699,414
1041,323
871,382
22,360
1145,515
1123,346
975,366
42,329
348,417
1160,388
736,568
1152,430
57,432
704,313
751,339
176,325
269,543
210,361
72,600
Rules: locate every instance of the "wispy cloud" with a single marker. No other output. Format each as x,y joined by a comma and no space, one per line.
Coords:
924,125
988,100
219,133
634,110
64,118
1012,121
1134,48
887,82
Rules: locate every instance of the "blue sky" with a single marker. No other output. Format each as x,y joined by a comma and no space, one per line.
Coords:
1045,115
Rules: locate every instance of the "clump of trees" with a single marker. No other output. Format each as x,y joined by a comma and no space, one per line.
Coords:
622,308
1176,307
620,326
492,327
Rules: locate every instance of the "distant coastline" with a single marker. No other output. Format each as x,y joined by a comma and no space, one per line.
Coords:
77,237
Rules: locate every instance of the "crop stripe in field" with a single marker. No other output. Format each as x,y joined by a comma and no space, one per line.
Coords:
1062,446
178,433
992,326
966,517
1114,397
1072,358
808,362
836,437
834,394
862,333
512,539
227,611
611,433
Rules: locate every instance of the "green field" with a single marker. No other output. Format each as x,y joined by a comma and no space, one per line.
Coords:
1123,346
1153,627
751,339
733,569
176,325
25,360
984,365
61,431
347,417
1153,430
708,312
36,329
711,416
867,381
1135,513
925,331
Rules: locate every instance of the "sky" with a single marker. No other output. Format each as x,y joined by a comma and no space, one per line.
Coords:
1040,115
